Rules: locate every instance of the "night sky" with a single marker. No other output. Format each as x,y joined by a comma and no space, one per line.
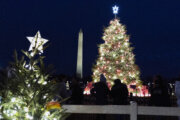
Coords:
154,27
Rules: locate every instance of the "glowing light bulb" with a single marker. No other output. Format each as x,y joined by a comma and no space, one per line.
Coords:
126,44
47,113
44,97
29,117
39,81
114,77
132,75
44,83
13,99
114,55
26,109
121,74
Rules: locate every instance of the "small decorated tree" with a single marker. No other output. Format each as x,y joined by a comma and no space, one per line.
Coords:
116,59
28,92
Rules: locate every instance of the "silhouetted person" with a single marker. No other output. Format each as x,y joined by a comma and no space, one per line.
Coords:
159,93
177,92
77,92
101,91
119,93
61,89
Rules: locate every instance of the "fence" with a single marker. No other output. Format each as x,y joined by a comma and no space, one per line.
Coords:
133,110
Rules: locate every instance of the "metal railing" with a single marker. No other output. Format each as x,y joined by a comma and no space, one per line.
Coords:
133,110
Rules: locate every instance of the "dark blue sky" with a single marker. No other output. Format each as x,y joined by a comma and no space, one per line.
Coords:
154,27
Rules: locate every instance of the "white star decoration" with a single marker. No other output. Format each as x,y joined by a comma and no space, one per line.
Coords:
115,9
37,43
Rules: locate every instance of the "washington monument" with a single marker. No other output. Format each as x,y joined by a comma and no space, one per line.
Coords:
79,69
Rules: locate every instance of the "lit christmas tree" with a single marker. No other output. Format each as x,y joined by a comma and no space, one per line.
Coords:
116,59
28,92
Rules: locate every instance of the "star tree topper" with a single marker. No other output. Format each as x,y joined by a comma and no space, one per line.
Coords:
115,10
37,43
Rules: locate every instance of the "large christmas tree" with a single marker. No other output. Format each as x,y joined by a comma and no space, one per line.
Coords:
116,59
29,91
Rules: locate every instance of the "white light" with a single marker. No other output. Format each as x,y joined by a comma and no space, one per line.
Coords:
44,83
27,66
26,109
37,43
13,99
29,117
47,113
40,81
44,97
132,75
14,112
95,80
121,51
121,74
115,9
126,44
114,77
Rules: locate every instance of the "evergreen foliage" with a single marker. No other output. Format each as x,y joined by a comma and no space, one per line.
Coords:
28,89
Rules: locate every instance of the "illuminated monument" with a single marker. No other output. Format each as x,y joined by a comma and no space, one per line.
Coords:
79,69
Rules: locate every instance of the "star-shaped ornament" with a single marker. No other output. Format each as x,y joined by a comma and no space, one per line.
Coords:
37,43
115,9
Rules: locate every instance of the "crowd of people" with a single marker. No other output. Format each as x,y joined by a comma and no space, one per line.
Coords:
71,95
100,91
118,93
